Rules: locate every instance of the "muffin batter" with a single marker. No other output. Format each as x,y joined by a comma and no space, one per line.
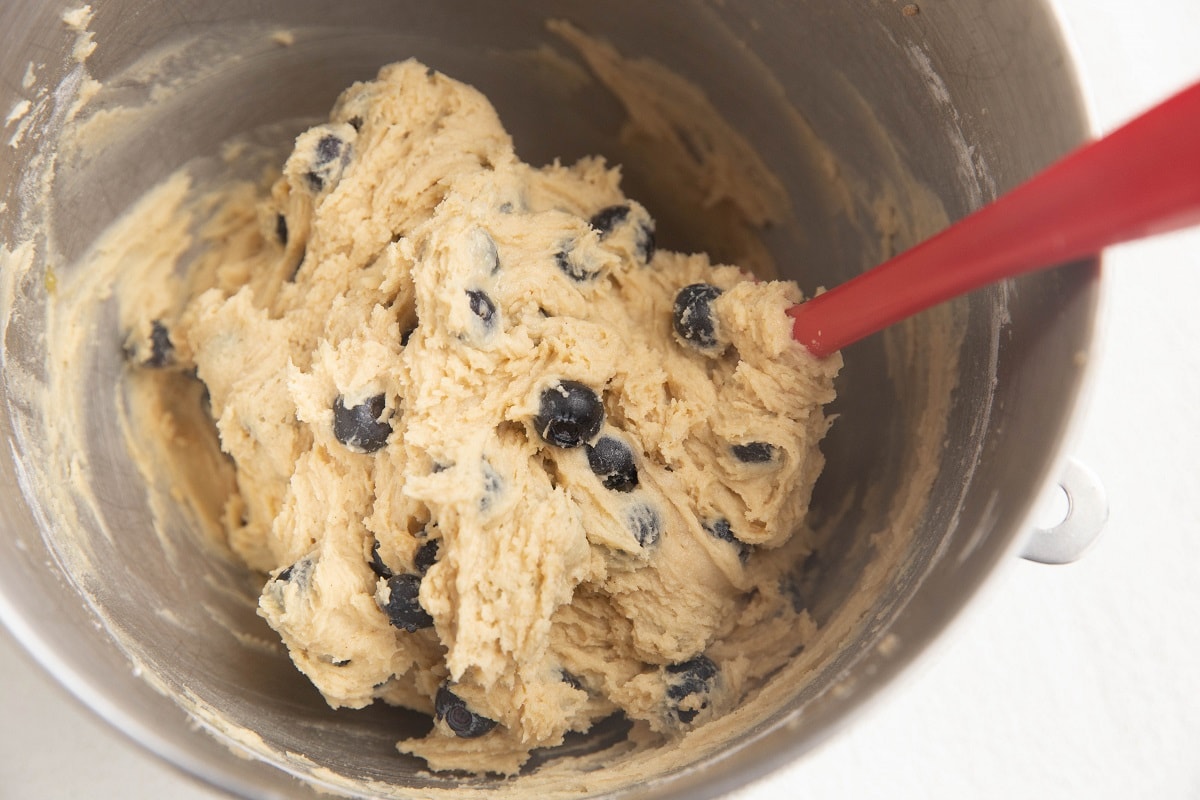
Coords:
504,461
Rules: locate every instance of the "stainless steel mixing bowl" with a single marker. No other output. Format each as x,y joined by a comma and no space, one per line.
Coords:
955,102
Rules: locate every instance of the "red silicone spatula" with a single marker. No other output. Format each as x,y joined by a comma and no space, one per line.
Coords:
1140,180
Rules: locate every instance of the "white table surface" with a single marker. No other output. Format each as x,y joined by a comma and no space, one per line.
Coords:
1061,682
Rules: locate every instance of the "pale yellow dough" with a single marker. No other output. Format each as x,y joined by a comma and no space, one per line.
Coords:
548,613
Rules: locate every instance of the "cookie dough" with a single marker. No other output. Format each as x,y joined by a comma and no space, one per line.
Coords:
503,460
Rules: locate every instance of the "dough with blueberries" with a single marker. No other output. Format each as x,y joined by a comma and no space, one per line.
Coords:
501,459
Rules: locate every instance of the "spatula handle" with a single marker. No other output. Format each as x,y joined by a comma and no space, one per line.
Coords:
1140,180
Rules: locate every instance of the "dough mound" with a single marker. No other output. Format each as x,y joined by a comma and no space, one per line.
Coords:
494,470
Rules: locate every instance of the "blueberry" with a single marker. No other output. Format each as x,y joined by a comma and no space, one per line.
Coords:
645,525
720,529
482,306
162,350
612,461
646,244
298,573
328,158
754,452
377,566
328,148
360,428
685,679
403,607
606,219
569,263
315,180
281,228
465,723
426,556
493,484
570,414
693,317
694,675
